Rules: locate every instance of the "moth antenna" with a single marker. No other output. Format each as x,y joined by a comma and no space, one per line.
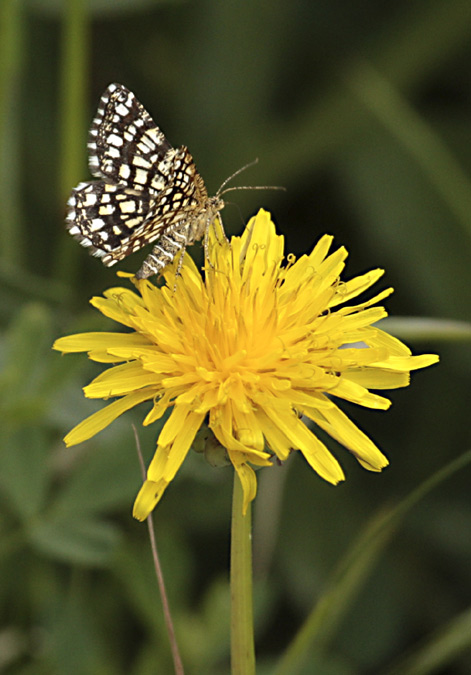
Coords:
252,187
236,173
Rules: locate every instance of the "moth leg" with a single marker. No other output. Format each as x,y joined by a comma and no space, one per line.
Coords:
219,229
218,226
179,269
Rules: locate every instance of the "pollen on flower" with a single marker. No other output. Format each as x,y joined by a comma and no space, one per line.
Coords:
259,346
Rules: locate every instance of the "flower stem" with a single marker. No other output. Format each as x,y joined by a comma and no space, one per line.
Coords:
242,637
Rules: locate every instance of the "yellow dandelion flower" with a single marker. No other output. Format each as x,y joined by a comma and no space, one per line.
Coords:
256,346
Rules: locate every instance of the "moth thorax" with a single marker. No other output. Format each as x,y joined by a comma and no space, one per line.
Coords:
215,204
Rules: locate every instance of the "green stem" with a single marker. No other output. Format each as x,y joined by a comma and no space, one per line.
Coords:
73,116
242,637
11,50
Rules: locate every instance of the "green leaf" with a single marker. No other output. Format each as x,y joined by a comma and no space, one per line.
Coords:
134,568
25,471
418,139
407,222
74,640
27,341
439,650
107,477
83,541
353,570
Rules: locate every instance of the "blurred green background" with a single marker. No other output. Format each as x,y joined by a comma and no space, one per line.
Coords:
362,110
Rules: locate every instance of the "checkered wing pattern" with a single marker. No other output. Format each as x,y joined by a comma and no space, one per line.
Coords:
125,145
146,187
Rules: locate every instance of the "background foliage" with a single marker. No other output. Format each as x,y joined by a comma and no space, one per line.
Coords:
362,111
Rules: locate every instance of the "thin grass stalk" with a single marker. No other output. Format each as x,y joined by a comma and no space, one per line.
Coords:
177,662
